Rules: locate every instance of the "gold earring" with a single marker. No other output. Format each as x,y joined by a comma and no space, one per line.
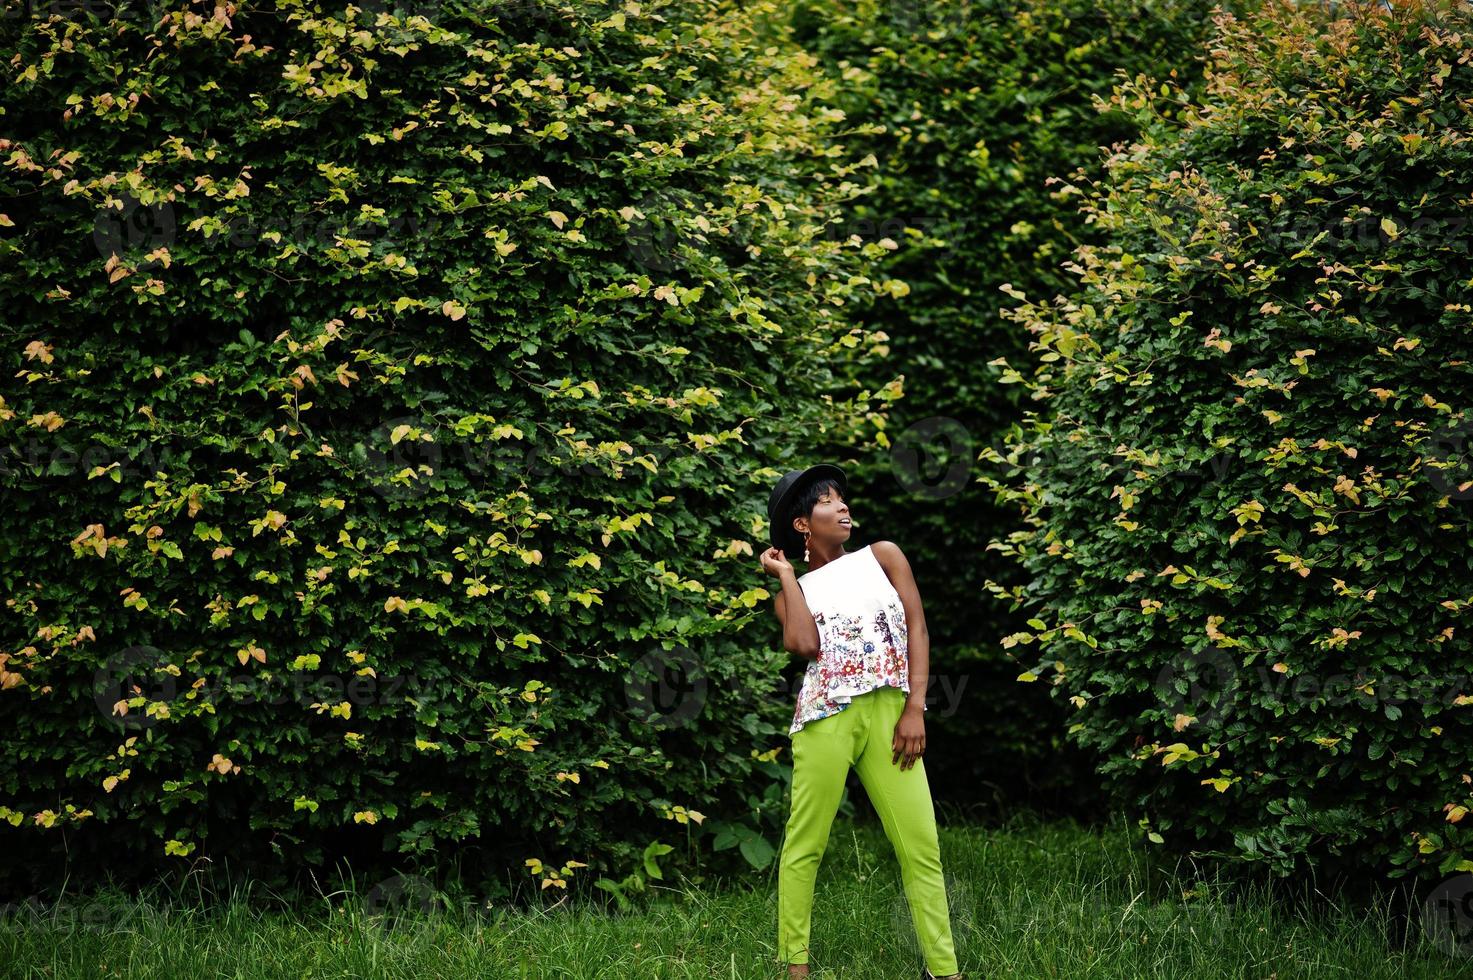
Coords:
805,546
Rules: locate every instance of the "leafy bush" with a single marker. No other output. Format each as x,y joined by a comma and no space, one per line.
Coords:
396,394
1245,488
969,107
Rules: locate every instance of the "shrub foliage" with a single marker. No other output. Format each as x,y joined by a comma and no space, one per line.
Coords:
394,397
1245,483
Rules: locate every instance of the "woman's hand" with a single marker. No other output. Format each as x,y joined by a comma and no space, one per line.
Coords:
774,562
909,743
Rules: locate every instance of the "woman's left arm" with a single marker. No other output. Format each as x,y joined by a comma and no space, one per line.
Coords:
910,739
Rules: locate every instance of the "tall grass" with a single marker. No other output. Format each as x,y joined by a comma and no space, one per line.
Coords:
1027,900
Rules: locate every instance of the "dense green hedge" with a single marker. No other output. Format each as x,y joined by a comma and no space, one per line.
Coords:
392,407
1245,480
969,109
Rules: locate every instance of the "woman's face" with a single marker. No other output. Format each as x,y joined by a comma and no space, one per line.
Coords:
830,518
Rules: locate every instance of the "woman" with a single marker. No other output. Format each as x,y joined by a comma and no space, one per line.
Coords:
856,616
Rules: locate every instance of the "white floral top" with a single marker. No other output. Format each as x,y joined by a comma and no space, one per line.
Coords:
863,640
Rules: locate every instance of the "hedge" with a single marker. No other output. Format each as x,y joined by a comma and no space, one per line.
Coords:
394,397
1244,477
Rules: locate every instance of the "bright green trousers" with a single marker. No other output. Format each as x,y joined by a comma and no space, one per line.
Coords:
862,735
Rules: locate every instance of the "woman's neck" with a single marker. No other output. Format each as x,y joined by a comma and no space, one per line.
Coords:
817,560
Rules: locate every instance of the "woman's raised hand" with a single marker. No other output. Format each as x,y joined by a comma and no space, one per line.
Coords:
774,562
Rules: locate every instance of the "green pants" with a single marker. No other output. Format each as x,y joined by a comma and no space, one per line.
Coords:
862,735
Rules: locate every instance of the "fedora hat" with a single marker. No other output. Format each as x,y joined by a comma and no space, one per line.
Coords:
784,536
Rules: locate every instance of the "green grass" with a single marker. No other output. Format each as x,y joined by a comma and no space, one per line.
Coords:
1028,900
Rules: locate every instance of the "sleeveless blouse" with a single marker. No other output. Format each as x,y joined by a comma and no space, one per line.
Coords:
863,639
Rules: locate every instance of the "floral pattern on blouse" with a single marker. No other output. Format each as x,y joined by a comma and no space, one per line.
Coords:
856,654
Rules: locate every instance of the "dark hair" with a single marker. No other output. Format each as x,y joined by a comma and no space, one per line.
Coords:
802,505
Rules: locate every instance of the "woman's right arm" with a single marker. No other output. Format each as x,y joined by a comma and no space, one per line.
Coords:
800,632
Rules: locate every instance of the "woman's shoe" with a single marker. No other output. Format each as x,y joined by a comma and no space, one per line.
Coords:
928,975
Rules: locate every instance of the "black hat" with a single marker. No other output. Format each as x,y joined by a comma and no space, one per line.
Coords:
784,536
